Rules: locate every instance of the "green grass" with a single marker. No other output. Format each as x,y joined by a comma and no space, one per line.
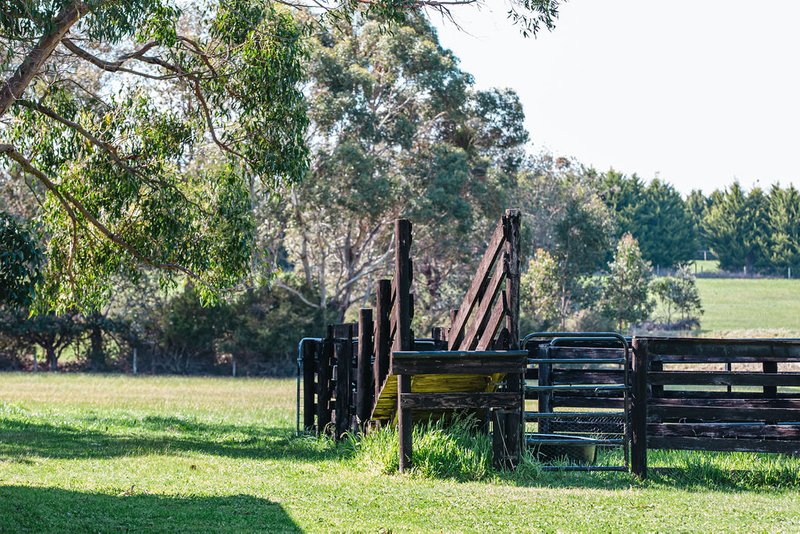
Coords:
117,453
736,307
705,266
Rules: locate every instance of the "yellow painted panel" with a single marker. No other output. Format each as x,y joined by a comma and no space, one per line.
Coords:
386,407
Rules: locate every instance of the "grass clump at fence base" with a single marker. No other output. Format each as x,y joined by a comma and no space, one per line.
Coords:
454,449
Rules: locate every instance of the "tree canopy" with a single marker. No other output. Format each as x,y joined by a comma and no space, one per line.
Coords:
154,119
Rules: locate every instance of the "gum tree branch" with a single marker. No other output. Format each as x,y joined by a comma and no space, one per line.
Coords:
13,88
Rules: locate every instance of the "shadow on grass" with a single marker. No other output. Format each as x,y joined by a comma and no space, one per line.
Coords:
158,435
29,509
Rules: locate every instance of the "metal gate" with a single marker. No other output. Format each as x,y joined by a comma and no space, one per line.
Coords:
580,382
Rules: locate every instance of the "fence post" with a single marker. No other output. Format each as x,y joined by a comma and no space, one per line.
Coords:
383,325
402,279
639,409
323,383
770,392
364,389
404,423
344,379
309,354
513,419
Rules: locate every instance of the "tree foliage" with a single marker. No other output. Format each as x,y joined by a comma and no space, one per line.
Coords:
154,119
397,130
542,291
655,214
564,215
20,263
124,139
678,293
734,226
625,296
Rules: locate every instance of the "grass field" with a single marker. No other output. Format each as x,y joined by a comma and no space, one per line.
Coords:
736,307
118,453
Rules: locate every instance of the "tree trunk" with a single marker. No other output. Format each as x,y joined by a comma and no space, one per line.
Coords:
97,357
13,88
52,359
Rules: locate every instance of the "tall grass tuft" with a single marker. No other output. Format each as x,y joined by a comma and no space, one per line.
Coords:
452,450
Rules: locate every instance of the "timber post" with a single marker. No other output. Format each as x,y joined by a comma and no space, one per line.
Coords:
514,419
364,387
639,409
383,332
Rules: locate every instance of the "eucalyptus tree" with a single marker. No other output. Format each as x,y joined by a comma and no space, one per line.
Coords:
397,130
117,109
146,131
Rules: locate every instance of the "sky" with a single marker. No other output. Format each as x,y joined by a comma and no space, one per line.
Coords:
698,93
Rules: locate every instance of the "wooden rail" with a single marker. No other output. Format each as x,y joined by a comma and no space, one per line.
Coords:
405,365
677,406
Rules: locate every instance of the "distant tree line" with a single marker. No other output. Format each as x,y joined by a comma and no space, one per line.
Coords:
755,231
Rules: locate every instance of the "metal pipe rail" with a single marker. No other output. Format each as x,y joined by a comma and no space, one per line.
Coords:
532,416
616,361
565,387
586,340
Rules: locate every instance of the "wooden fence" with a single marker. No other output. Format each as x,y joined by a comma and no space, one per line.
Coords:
347,375
699,394
714,395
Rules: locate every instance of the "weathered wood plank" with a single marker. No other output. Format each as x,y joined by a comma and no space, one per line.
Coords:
586,352
639,408
457,401
587,376
344,384
742,404
702,350
365,390
382,334
660,413
722,378
512,249
402,278
495,320
493,249
404,422
324,383
485,310
709,444
724,430
724,394
465,365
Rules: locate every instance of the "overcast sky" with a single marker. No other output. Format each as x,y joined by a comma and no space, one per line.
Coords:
697,92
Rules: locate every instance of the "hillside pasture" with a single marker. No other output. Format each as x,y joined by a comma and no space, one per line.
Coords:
750,307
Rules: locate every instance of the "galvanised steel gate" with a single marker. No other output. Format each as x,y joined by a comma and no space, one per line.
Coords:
577,392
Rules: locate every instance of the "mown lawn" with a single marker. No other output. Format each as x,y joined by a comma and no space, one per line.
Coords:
117,453
736,307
